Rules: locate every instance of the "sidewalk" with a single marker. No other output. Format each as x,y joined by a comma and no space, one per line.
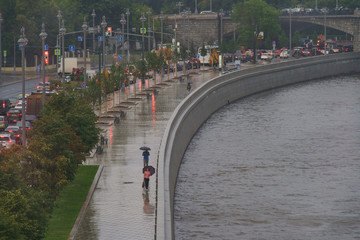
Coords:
119,208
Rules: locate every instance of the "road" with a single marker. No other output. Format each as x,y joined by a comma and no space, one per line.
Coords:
12,86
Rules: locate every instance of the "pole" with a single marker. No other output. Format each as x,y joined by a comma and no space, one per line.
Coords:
62,32
221,25
43,36
84,27
290,32
149,12
122,21
14,55
196,10
162,29
128,42
22,42
1,56
103,25
142,19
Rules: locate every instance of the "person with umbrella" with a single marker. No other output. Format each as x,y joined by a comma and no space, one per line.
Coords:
146,155
148,171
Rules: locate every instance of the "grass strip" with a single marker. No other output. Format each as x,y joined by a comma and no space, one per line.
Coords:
69,203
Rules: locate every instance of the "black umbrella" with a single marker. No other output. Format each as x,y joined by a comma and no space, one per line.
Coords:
144,148
151,169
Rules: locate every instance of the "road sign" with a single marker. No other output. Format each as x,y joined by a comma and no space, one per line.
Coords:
71,48
261,35
119,57
173,47
57,51
80,38
143,30
120,39
83,84
100,38
115,56
46,47
5,53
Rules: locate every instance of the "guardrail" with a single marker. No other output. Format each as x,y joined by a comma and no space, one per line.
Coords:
200,104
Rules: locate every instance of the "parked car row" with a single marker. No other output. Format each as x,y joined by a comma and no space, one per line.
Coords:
11,124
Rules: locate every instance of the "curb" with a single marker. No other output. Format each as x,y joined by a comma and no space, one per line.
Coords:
84,207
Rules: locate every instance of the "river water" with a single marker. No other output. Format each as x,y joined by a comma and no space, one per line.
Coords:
284,164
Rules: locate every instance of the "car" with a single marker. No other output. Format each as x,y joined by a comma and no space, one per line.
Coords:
15,131
3,123
28,125
207,12
193,63
284,54
268,56
18,105
6,140
305,52
41,85
14,115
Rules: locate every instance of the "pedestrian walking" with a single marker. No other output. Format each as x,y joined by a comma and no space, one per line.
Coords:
146,155
147,175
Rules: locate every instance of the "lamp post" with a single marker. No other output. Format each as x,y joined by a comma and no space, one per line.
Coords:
22,43
142,19
188,26
103,25
43,36
58,40
127,26
93,14
179,4
290,32
161,20
183,14
62,32
122,21
1,20
148,13
221,14
84,28
196,11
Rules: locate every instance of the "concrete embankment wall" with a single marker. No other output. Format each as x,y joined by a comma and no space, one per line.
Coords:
200,104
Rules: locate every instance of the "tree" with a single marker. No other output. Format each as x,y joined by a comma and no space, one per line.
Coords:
255,16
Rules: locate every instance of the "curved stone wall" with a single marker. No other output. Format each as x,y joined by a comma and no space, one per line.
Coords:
200,104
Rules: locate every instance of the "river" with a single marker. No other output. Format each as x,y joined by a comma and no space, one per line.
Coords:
283,164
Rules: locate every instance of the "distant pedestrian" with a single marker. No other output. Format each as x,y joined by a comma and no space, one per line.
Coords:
188,87
147,175
146,155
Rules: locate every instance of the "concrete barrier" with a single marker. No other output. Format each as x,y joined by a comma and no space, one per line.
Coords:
193,111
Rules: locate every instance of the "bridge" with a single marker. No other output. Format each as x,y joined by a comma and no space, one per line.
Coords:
205,28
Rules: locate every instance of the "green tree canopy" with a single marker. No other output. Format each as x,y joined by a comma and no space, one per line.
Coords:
256,16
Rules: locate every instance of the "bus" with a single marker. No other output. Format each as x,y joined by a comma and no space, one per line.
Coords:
206,60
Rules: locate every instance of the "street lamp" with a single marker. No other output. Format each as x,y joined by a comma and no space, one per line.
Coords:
62,32
103,25
22,43
84,28
43,36
142,19
290,31
122,21
179,4
127,26
188,12
59,17
221,14
148,13
1,20
161,20
93,14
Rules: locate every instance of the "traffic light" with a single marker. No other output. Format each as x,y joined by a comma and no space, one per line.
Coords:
108,31
46,57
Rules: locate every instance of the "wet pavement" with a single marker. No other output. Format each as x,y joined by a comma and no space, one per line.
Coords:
120,208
